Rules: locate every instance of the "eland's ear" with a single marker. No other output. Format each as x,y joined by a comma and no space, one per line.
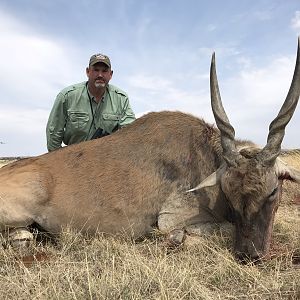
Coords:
211,180
286,172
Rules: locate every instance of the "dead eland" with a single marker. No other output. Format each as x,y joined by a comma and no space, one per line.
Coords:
167,169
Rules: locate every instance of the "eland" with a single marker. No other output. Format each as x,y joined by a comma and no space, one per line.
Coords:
167,169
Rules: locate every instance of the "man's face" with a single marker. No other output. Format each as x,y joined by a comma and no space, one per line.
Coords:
99,75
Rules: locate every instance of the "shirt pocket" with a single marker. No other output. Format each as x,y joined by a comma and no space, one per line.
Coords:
111,121
78,119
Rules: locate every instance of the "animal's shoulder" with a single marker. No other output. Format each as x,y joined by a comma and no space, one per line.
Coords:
173,116
291,156
175,120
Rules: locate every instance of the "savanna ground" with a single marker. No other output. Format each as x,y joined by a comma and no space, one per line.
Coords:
204,268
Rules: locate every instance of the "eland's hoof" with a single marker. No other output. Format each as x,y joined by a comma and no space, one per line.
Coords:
20,238
176,238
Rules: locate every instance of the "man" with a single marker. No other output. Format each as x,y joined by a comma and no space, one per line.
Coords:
89,109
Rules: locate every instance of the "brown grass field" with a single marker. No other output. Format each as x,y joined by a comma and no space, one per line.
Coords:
204,268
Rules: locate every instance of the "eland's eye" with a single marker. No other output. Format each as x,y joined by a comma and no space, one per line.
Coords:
271,196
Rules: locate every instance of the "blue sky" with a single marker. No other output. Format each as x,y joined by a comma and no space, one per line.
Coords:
160,53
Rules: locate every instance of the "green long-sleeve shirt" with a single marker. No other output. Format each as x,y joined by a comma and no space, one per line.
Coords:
71,118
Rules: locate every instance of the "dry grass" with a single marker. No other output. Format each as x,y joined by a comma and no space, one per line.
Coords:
109,268
4,162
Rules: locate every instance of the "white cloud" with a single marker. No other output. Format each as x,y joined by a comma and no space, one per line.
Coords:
25,120
159,93
33,69
262,85
30,63
252,97
22,131
296,21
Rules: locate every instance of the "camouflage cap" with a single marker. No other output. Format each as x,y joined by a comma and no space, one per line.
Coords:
96,58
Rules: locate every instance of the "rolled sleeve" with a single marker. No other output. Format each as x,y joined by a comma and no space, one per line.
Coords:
56,124
127,115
